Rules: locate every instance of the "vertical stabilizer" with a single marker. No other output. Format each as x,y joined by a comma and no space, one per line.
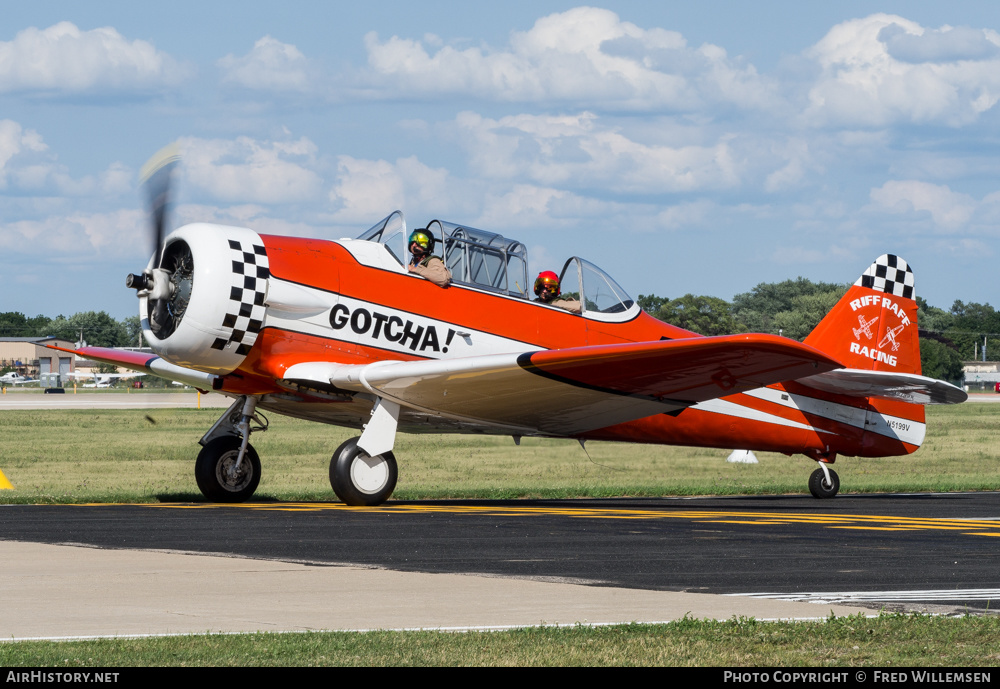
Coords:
874,326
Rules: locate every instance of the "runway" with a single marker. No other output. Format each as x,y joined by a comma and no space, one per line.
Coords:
449,564
24,399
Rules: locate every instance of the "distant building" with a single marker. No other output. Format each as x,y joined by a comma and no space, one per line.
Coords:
30,357
981,374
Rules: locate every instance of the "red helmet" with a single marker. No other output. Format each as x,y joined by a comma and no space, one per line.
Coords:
546,279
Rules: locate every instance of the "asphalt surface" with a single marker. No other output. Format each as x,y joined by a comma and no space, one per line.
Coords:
934,552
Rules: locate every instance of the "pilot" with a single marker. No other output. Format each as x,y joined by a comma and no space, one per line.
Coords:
423,263
547,290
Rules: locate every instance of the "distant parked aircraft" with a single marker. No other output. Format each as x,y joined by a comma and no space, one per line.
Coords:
103,380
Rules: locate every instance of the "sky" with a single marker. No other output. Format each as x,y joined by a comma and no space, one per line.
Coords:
683,147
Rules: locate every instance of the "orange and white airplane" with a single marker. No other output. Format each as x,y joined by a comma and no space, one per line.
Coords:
340,332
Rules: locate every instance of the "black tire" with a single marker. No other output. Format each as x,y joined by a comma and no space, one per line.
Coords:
360,480
819,487
211,468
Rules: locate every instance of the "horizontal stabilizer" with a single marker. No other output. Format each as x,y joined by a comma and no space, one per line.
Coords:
903,387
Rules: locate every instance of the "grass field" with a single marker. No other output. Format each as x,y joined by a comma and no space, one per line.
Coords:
148,456
887,641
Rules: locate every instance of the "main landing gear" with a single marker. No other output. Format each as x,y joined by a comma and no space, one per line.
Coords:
824,482
363,470
228,468
360,479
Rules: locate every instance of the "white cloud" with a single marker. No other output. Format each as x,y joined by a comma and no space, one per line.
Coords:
529,206
884,69
585,55
253,216
578,151
949,210
684,215
28,167
946,44
15,140
271,65
64,58
115,233
245,169
367,190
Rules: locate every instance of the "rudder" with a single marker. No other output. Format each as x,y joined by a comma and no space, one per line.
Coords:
874,326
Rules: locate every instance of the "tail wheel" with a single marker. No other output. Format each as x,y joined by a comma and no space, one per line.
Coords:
359,479
218,477
820,487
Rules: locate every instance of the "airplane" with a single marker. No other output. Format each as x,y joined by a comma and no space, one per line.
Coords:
864,327
14,378
890,338
339,332
103,380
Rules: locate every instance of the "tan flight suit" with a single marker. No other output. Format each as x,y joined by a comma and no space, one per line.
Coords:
571,305
433,269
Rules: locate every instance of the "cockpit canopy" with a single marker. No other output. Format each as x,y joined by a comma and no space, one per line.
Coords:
603,298
490,262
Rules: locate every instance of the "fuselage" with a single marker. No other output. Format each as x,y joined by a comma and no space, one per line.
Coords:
354,303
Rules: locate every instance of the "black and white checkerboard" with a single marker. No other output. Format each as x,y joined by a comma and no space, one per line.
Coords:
889,274
245,313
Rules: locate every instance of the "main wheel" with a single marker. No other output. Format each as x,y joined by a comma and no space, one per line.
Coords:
361,480
820,488
216,473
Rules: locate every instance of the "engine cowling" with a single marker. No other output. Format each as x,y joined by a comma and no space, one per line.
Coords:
218,281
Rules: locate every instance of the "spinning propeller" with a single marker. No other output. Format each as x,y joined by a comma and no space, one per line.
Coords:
167,285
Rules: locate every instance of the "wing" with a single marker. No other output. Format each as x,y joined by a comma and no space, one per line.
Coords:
568,391
146,363
905,387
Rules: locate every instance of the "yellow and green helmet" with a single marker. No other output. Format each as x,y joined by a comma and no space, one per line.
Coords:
423,238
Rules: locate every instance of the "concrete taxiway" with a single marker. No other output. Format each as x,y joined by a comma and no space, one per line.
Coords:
64,591
112,400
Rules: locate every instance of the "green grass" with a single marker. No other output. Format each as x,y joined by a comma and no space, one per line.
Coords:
885,641
148,456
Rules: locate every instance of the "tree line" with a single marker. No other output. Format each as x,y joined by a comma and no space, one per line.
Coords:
791,308
794,307
98,328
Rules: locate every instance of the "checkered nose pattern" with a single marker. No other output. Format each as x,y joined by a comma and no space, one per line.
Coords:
245,313
889,274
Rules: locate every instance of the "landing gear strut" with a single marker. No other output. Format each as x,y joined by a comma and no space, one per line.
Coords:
363,470
228,468
824,482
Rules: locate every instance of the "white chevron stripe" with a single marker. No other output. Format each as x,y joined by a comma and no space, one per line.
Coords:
881,596
727,408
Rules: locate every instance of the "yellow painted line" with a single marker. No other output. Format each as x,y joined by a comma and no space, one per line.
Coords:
4,483
875,528
764,522
841,521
